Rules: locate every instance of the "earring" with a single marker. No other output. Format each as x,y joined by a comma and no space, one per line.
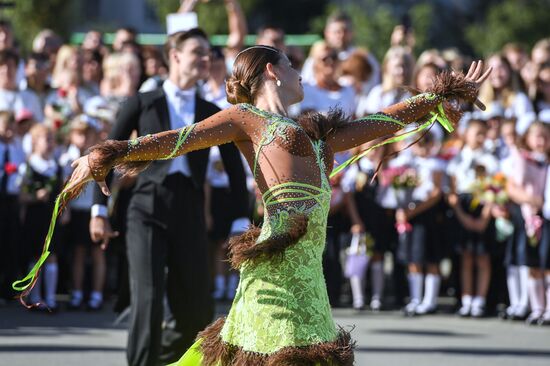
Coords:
278,82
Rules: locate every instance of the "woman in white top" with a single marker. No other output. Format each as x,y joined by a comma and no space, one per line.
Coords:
397,71
69,96
326,93
501,94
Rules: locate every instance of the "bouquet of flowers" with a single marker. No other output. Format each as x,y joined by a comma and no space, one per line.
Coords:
492,189
489,189
400,178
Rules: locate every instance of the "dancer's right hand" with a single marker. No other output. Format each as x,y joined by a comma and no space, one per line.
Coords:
82,174
101,231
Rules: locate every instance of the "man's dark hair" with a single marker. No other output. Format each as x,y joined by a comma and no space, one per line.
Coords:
176,40
338,17
6,55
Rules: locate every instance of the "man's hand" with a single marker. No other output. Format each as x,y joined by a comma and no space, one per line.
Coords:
100,231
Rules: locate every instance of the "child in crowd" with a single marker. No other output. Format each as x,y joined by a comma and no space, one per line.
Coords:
526,188
42,180
11,158
367,216
83,134
515,259
416,219
470,165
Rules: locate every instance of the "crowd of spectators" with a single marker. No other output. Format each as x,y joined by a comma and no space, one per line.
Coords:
463,214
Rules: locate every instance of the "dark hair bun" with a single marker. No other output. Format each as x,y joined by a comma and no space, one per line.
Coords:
237,92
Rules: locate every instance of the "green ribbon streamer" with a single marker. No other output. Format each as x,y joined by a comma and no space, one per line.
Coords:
26,282
438,116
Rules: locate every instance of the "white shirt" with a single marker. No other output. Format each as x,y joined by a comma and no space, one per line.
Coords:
462,167
181,109
45,167
14,101
379,99
321,100
524,121
17,157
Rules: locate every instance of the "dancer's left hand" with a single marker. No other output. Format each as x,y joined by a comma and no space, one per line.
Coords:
476,77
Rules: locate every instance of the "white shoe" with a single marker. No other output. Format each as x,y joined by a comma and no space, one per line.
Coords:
375,304
424,309
520,312
464,310
410,308
477,311
533,318
545,318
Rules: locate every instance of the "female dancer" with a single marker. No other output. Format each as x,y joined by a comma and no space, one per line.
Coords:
281,314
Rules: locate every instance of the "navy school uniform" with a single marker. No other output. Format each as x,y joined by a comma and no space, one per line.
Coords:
38,174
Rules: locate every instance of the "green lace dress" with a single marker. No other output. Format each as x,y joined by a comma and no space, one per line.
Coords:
282,304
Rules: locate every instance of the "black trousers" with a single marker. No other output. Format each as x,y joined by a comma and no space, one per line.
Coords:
167,255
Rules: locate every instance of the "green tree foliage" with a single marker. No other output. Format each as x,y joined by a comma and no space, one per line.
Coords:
522,21
29,17
421,19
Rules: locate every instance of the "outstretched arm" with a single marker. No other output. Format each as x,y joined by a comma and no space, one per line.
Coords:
396,117
132,156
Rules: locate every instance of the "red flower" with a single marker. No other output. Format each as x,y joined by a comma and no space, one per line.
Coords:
10,168
62,93
57,123
403,228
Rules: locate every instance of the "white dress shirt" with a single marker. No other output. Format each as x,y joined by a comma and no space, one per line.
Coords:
181,109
